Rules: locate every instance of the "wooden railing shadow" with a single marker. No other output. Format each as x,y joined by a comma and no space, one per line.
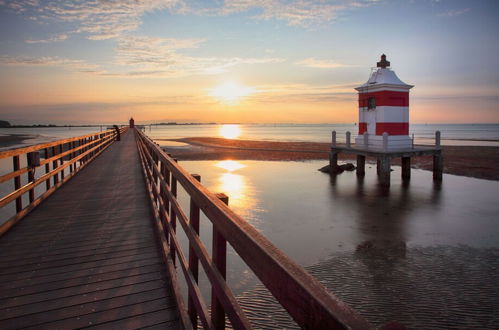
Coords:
61,160
304,298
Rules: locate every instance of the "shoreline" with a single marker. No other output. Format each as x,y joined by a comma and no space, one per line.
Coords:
14,140
481,162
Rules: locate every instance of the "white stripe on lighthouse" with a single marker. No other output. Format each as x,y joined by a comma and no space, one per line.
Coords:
386,114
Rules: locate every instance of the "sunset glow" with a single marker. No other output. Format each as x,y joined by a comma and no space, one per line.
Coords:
230,131
230,92
70,62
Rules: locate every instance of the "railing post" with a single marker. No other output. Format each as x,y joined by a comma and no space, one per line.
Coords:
333,138
348,139
166,201
47,169
54,166
219,256
17,183
366,140
71,156
173,216
61,150
31,178
193,258
437,139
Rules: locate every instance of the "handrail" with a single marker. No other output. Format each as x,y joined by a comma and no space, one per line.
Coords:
305,299
73,153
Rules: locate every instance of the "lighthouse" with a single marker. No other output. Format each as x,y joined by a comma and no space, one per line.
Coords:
383,110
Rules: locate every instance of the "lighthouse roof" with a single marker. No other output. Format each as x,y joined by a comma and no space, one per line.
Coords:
383,78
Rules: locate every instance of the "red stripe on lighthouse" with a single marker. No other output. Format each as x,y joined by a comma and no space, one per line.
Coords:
362,128
392,128
388,98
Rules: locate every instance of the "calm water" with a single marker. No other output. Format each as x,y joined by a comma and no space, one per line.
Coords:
466,134
418,253
452,134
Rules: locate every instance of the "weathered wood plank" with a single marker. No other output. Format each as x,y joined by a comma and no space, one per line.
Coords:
88,255
84,309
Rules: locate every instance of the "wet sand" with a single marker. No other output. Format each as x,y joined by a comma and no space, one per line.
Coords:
473,161
434,297
14,139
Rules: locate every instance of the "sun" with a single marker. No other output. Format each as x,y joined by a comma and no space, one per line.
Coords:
230,92
229,131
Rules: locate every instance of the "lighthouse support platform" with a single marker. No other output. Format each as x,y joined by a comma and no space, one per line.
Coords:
384,157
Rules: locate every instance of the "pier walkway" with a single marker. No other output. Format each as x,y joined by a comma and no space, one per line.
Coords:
88,256
100,239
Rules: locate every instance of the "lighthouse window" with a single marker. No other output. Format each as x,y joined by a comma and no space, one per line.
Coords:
371,103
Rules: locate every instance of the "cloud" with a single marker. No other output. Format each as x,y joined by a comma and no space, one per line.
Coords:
293,12
454,12
99,20
57,38
313,62
73,65
289,93
152,56
140,56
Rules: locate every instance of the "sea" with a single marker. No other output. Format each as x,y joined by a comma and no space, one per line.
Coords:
421,253
452,134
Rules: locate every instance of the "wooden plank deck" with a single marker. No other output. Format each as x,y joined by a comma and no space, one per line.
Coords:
87,256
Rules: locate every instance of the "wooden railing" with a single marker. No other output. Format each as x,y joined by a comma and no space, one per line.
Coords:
304,298
61,160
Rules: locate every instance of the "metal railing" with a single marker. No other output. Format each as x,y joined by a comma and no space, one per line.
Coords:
304,298
61,160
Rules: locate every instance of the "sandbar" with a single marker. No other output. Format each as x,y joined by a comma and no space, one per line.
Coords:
480,162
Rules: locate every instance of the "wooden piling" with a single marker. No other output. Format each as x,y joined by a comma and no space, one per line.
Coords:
438,166
384,170
361,165
333,159
406,168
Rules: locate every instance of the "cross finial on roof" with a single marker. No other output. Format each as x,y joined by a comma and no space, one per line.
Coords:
383,63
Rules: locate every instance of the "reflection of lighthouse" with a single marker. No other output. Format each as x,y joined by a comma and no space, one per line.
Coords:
384,108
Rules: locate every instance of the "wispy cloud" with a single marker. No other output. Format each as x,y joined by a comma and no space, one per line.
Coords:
69,64
141,56
313,62
152,56
99,20
293,12
57,38
302,93
454,12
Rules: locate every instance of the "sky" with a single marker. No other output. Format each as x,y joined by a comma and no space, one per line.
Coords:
243,61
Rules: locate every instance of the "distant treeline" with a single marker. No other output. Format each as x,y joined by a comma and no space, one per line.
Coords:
6,124
175,123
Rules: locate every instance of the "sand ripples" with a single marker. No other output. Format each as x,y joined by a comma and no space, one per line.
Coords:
423,288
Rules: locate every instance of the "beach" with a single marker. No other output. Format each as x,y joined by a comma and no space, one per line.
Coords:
14,139
480,162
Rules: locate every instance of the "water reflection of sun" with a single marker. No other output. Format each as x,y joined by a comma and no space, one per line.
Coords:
236,186
230,165
229,131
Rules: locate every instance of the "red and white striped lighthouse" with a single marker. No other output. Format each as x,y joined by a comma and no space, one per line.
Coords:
384,107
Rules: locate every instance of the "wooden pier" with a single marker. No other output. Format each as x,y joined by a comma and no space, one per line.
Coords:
87,256
99,247
383,158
